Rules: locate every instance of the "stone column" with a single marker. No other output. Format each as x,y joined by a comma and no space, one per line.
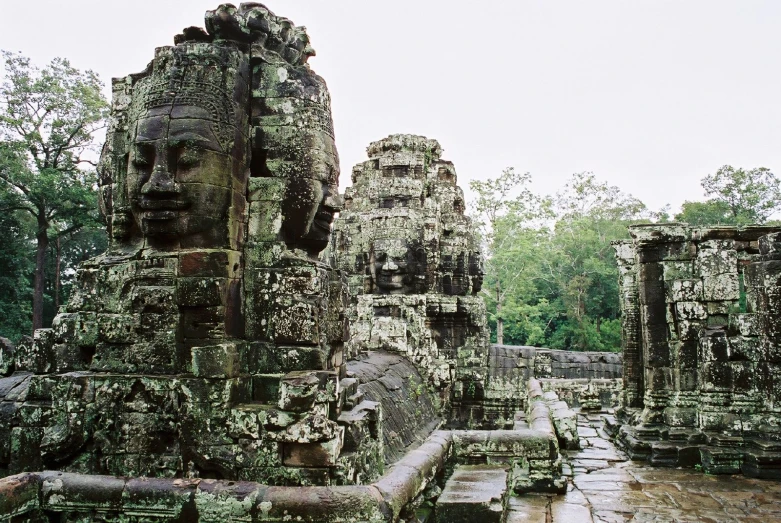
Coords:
631,339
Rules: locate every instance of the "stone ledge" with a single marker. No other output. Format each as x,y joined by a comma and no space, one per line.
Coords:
535,451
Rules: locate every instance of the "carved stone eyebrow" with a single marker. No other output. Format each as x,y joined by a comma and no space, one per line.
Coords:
201,137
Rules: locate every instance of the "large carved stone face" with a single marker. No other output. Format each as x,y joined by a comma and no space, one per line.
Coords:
180,180
312,197
396,266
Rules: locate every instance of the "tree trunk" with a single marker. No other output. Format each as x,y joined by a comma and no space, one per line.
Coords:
499,320
42,239
57,275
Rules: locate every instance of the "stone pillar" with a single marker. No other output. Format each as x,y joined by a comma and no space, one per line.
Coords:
631,332
653,245
765,279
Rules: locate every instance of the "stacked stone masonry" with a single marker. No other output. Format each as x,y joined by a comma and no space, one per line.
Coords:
702,355
229,359
207,342
572,375
413,267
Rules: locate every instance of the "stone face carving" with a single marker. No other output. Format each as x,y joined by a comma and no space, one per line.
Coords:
413,267
397,266
208,340
701,348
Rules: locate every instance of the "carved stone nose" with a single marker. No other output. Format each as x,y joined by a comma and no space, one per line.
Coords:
160,182
334,201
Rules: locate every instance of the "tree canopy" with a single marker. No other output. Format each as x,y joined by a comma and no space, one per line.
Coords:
551,276
48,121
737,197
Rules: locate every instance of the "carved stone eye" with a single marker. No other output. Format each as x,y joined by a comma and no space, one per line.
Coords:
188,158
142,156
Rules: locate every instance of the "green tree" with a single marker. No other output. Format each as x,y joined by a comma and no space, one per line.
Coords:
48,121
551,275
15,268
509,217
711,212
750,195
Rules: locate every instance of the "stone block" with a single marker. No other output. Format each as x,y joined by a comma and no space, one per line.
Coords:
298,391
266,189
201,291
743,376
684,290
691,310
297,322
745,324
680,417
748,348
473,493
721,287
715,376
214,263
202,323
118,328
322,454
216,361
716,258
714,346
19,495
264,221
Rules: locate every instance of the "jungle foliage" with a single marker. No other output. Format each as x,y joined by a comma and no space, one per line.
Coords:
551,277
48,202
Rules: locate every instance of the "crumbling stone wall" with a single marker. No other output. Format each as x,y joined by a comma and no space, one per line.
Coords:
413,268
569,373
208,340
702,362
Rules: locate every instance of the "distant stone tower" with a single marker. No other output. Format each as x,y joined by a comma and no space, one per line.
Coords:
413,266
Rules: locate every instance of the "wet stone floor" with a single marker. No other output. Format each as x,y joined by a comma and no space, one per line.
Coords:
605,487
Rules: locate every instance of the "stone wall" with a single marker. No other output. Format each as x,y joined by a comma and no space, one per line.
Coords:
569,373
702,363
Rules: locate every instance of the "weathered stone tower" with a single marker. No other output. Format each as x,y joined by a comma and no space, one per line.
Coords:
208,340
414,268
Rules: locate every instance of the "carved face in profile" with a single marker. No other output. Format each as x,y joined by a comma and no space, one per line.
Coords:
476,271
397,266
180,178
312,197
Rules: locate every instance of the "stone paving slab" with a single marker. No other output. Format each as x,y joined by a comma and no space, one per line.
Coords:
606,487
473,493
528,509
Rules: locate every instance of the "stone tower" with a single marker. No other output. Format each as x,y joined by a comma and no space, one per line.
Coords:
208,340
413,267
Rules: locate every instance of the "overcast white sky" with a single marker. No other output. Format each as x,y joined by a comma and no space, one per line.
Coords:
650,95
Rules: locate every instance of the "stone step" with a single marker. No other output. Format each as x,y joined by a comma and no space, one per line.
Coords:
474,493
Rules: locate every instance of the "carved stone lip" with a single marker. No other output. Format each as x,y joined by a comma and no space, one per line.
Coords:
390,281
161,204
324,219
160,215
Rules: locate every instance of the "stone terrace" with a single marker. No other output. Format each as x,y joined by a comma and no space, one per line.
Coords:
605,487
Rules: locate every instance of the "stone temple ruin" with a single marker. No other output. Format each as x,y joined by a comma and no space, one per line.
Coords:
228,358
702,360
